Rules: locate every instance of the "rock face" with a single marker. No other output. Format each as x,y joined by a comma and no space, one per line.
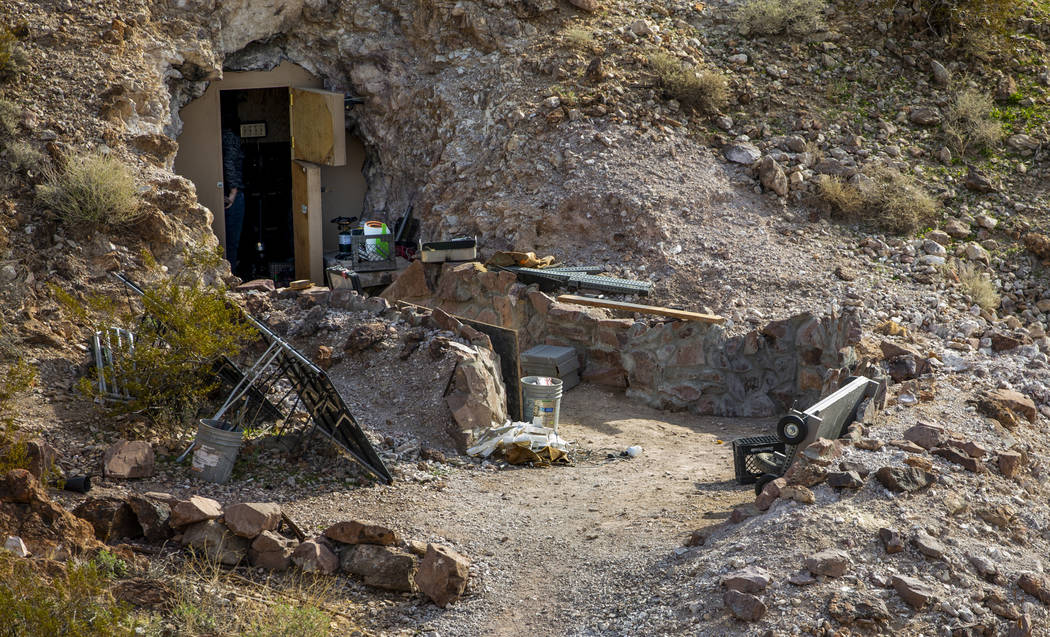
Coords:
27,512
313,556
112,518
249,519
442,574
380,566
216,542
194,510
354,532
128,459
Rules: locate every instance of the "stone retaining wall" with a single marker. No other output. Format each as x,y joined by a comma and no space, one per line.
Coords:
670,365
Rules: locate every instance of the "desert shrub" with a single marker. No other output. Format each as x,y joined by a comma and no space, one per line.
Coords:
969,125
580,38
775,17
12,58
704,90
92,190
22,156
976,284
969,18
14,380
73,601
184,325
10,114
888,199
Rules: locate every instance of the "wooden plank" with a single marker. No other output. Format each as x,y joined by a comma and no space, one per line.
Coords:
306,222
318,126
642,309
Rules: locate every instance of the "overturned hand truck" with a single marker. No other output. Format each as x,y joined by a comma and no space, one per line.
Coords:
311,385
760,459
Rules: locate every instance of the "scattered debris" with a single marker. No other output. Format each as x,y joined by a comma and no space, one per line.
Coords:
521,442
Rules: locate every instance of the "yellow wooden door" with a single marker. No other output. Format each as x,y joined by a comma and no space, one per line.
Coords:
318,126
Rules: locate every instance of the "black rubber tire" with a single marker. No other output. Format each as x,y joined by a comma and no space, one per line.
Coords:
762,481
792,429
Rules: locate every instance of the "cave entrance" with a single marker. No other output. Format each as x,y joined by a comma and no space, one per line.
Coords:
299,167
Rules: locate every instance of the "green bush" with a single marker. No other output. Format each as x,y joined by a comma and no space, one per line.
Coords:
92,190
781,17
969,125
75,601
705,91
185,326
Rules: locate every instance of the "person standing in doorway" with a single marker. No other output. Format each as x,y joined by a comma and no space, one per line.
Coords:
233,181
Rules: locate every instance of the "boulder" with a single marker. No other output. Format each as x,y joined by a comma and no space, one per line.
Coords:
249,519
153,516
772,176
845,480
770,493
41,458
913,591
313,556
1010,463
829,562
442,574
904,479
272,551
951,455
742,153
891,540
926,436
196,509
110,517
1016,402
928,546
380,566
744,606
216,542
750,579
354,532
128,459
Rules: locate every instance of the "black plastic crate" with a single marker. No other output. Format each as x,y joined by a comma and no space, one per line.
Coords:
744,450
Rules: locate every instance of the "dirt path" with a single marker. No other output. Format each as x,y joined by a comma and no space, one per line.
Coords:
548,544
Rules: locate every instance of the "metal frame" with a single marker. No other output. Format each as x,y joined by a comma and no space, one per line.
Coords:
107,363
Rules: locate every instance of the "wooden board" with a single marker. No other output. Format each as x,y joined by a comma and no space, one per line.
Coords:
642,309
306,221
504,343
318,126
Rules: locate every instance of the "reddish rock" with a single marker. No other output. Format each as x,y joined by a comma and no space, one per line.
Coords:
272,551
891,540
951,455
249,519
380,566
128,459
1035,585
28,513
822,452
442,574
770,493
968,447
354,532
904,479
750,579
926,436
806,474
829,562
1010,463
196,509
313,556
913,591
928,546
42,459
798,493
1015,401
744,606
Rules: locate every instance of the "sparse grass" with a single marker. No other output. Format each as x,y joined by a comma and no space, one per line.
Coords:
580,38
23,156
72,601
91,191
702,90
10,114
12,58
976,284
892,201
781,17
969,125
198,609
975,25
16,379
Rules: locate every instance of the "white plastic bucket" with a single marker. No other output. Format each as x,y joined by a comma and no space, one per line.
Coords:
541,396
216,451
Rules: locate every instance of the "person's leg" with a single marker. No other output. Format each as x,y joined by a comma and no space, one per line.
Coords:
234,223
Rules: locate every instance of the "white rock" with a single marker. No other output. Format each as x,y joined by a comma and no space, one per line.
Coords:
15,545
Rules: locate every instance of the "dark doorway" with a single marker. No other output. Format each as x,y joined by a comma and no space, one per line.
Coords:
260,119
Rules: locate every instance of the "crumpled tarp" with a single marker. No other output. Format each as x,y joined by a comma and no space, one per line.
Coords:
521,442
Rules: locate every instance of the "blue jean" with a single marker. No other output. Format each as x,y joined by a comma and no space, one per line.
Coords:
234,223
